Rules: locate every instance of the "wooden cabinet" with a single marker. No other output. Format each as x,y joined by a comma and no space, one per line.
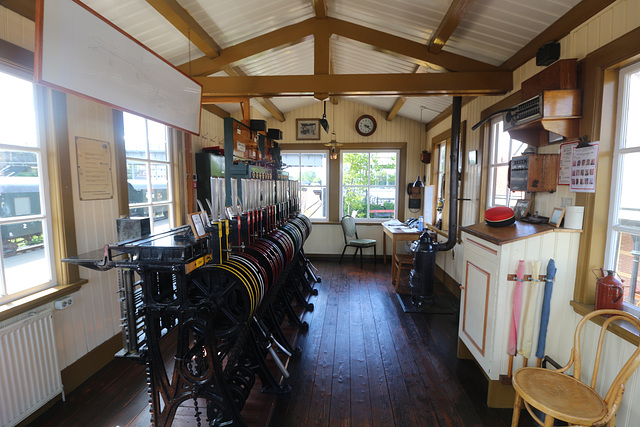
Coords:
486,297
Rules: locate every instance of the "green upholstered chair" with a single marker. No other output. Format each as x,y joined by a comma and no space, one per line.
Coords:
349,231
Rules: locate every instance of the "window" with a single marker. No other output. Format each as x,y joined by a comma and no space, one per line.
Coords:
441,182
149,171
24,223
310,169
369,186
503,148
623,233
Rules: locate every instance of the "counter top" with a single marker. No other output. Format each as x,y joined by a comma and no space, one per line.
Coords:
511,233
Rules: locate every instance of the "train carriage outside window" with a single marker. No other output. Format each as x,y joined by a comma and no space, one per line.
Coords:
26,259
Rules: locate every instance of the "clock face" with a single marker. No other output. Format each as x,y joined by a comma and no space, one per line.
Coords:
366,125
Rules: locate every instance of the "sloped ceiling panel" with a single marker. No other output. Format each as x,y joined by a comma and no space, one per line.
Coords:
230,22
414,20
493,30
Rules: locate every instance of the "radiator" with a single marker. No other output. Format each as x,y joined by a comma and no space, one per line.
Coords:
29,374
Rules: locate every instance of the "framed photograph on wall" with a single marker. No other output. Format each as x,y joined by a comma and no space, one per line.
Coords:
556,217
308,129
522,208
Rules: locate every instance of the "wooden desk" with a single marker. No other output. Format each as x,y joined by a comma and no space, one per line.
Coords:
396,234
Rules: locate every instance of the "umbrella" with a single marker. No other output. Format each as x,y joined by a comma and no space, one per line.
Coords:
531,307
515,317
546,308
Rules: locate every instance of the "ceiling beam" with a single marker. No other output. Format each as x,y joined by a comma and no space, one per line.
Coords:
468,84
214,109
580,13
184,22
320,6
291,34
401,46
24,8
449,23
396,108
266,103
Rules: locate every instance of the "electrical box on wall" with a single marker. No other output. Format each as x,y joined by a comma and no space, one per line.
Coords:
534,173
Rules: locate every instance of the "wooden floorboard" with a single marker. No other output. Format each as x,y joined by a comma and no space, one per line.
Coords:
364,362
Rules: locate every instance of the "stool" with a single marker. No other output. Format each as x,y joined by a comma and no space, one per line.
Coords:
401,260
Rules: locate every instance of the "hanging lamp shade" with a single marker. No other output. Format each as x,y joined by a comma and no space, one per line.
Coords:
323,121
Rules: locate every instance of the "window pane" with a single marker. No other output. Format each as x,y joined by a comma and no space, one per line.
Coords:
157,141
354,202
383,168
137,178
355,167
23,250
135,136
161,220
17,117
628,254
629,200
19,184
313,202
313,170
632,138
501,190
159,183
382,202
141,212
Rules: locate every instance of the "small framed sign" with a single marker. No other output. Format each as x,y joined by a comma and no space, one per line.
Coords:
308,129
556,217
522,208
197,225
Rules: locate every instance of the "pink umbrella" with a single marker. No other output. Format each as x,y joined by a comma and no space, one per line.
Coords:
515,317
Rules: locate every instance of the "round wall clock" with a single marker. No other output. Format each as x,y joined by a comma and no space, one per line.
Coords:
366,125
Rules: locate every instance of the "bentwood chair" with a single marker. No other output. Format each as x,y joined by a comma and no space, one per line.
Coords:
349,231
565,397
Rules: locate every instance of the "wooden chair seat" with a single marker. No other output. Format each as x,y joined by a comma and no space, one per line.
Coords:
564,397
401,260
559,395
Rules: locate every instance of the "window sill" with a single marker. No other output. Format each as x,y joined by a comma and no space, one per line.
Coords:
622,329
30,302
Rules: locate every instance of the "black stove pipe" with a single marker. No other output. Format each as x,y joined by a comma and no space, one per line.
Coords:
456,113
422,275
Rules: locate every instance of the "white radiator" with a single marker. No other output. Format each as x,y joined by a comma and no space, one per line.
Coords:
29,374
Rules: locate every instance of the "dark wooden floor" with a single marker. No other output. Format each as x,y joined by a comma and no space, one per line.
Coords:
364,363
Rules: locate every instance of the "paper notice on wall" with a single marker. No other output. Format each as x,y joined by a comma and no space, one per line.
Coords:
564,172
94,169
584,164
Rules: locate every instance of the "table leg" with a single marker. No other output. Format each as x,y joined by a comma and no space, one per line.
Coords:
384,247
393,258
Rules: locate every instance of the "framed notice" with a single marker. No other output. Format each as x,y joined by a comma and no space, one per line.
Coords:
584,164
564,170
94,169
197,224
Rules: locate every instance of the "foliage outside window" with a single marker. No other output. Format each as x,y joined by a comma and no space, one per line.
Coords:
441,182
149,171
503,148
369,184
26,259
623,233
310,169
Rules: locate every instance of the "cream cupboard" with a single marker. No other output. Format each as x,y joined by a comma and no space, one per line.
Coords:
490,255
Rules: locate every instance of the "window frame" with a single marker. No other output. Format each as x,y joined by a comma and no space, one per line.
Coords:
40,149
493,165
148,161
341,185
614,228
327,185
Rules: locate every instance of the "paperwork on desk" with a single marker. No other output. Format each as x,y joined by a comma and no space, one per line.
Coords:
399,226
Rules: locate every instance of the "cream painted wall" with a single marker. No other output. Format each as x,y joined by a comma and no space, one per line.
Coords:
616,20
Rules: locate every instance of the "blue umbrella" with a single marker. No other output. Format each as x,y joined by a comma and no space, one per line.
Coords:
546,308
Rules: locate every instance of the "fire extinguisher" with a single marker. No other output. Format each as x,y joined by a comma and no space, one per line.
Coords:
609,292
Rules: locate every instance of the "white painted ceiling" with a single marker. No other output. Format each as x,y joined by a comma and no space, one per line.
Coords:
491,31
